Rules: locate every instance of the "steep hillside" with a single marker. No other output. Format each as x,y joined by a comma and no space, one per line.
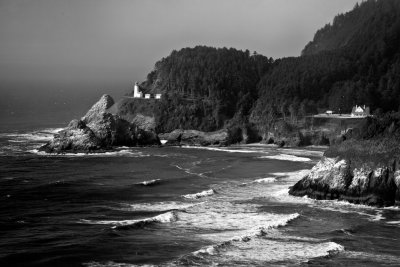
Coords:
356,60
204,88
369,26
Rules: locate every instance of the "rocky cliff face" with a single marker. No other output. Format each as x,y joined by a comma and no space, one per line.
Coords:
76,137
196,138
335,178
100,130
100,107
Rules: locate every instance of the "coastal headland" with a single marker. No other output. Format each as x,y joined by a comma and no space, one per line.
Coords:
204,96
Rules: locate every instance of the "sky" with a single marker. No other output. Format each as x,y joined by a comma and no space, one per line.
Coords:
63,52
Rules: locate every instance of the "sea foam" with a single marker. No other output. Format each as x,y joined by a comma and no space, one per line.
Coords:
157,206
286,157
162,218
265,180
263,252
117,153
204,193
150,182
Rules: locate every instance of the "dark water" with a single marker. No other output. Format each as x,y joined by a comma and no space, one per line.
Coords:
177,207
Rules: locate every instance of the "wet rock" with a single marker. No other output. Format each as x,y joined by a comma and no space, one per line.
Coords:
77,137
196,138
335,178
99,108
99,130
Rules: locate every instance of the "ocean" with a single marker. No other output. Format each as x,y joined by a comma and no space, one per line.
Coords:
177,206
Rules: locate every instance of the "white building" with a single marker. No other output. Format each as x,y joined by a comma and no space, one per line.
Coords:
136,91
138,94
359,111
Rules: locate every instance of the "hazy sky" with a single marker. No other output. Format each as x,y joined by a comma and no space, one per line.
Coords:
104,44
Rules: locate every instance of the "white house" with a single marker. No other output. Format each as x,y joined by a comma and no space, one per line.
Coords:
147,96
158,96
359,111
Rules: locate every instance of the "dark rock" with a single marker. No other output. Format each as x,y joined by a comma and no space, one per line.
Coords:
196,138
99,130
77,137
338,179
99,108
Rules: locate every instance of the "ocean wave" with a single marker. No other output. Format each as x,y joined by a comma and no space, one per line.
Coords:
292,176
265,180
262,251
231,150
239,227
162,218
117,153
394,208
201,194
157,206
150,182
268,180
52,130
114,264
286,157
371,213
249,248
303,152
393,222
377,259
40,135
188,170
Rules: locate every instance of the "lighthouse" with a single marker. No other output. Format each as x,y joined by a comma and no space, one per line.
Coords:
136,91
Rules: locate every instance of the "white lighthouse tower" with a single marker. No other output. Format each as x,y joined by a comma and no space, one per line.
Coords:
136,91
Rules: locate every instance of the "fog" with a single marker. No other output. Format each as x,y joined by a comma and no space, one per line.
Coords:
59,56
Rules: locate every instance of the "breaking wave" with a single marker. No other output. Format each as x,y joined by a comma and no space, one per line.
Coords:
286,157
266,180
162,218
204,193
117,153
42,135
157,206
229,150
150,182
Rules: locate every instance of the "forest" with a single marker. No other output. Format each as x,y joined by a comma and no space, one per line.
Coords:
353,60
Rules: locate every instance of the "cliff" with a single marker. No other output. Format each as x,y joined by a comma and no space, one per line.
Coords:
335,178
100,130
364,168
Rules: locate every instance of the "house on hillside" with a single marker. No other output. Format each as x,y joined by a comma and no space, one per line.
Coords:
360,111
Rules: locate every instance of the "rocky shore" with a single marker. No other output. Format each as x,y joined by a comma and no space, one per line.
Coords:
107,125
100,130
181,137
341,179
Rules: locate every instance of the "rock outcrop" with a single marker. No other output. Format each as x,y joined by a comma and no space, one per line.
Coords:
335,178
196,138
99,130
77,137
100,107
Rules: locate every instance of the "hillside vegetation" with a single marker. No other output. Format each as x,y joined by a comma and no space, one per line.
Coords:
204,88
355,60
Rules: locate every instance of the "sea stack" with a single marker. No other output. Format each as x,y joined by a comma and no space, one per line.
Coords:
336,178
99,130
